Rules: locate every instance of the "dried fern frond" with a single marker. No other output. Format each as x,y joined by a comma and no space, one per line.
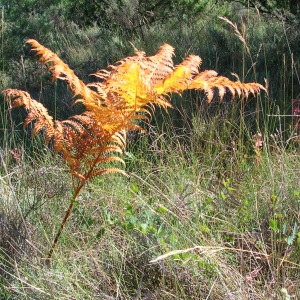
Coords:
36,111
208,81
159,66
133,79
60,70
180,78
127,92
79,139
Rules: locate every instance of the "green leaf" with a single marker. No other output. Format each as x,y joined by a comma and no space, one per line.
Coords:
223,196
274,224
135,188
161,209
129,155
144,227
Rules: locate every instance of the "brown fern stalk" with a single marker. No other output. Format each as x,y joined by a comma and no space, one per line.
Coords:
70,208
61,227
125,93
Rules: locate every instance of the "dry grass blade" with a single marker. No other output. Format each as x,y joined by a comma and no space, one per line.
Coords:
204,250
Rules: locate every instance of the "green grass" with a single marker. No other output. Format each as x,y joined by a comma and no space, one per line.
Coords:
237,225
197,184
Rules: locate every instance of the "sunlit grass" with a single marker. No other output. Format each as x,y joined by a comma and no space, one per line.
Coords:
204,214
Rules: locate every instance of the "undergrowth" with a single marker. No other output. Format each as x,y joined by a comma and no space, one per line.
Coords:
234,228
210,209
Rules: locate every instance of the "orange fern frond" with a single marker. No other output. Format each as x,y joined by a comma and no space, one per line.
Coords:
210,81
96,172
79,139
159,66
180,78
131,81
60,70
154,69
205,75
36,111
127,92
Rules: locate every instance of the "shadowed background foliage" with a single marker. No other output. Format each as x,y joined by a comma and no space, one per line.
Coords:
223,176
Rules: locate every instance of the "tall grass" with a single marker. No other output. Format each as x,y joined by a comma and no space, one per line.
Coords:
224,211
240,227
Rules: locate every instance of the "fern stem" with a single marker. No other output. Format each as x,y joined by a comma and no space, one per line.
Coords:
70,208
54,244
63,222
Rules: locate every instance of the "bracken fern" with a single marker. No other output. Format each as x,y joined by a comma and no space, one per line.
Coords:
126,92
